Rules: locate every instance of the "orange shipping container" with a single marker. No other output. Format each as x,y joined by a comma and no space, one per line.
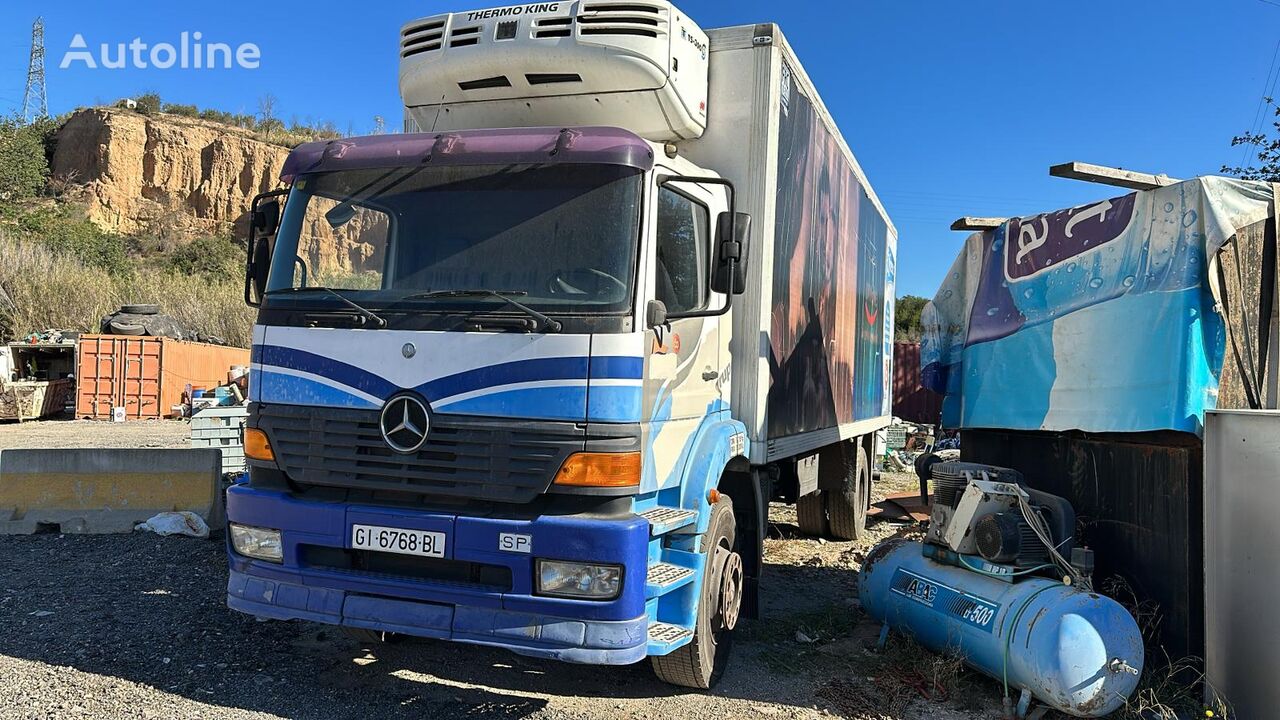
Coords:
145,375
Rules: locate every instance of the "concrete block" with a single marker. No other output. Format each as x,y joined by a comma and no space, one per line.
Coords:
94,490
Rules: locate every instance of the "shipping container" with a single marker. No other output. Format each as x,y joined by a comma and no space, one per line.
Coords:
145,375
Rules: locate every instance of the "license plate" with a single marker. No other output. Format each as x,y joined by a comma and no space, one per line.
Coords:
398,540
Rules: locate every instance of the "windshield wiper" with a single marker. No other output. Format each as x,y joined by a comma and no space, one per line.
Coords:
545,324
366,313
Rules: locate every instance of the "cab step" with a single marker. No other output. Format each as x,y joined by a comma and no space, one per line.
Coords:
665,577
663,520
665,637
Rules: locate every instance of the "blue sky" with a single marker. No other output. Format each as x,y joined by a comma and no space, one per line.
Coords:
953,108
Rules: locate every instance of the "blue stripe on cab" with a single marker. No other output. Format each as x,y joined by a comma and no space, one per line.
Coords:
335,370
546,403
520,371
614,403
616,367
274,387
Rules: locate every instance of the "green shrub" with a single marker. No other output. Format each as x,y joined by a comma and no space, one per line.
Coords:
24,162
182,110
149,103
61,229
215,256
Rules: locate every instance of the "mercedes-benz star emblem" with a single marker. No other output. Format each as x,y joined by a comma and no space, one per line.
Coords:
405,422
408,350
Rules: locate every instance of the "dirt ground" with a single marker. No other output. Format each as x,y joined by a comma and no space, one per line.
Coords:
136,626
95,434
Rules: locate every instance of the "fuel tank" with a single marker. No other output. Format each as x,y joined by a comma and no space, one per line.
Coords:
1076,651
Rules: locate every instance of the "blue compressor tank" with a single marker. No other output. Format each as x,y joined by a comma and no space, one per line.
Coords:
1076,651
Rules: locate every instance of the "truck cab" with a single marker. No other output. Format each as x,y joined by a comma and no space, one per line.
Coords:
510,368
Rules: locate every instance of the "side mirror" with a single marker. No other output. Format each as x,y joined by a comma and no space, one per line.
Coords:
733,230
655,314
266,218
264,222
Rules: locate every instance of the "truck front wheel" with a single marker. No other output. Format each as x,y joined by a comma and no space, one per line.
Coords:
847,508
701,663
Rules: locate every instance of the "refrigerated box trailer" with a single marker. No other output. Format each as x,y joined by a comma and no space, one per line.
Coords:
628,286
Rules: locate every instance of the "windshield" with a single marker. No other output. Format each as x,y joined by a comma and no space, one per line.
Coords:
559,238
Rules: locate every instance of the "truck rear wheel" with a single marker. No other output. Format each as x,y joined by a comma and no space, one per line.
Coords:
847,509
701,663
811,514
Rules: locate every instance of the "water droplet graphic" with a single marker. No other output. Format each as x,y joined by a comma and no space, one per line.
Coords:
992,311
1189,218
1071,267
946,294
1095,283
1168,207
1128,282
1028,293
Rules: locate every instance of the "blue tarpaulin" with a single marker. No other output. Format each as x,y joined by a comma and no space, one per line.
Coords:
1098,318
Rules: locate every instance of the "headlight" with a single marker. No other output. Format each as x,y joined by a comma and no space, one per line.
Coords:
579,580
259,543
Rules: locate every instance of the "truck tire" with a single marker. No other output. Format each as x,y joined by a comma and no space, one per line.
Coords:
118,327
140,309
811,514
848,509
700,663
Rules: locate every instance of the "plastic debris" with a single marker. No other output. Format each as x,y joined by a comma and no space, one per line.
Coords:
176,523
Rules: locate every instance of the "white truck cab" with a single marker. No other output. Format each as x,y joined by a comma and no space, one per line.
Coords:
530,374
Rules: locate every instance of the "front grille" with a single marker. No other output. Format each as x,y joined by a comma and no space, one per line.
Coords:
393,566
470,458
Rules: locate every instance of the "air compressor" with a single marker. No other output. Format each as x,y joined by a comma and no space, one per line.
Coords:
999,582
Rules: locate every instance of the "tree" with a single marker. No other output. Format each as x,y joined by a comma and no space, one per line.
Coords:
267,114
1268,167
24,165
906,314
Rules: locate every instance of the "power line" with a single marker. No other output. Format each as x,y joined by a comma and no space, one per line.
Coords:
1268,88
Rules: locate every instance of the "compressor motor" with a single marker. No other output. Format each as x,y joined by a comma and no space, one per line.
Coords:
991,513
1000,581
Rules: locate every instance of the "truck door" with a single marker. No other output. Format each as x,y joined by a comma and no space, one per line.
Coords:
685,379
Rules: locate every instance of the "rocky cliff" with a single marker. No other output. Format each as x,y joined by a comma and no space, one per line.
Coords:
135,171
169,175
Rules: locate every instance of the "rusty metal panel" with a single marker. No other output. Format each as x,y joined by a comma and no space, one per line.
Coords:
912,401
1138,500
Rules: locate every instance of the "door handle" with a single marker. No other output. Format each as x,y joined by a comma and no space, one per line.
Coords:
709,374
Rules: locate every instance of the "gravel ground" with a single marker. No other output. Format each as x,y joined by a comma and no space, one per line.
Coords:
135,626
95,434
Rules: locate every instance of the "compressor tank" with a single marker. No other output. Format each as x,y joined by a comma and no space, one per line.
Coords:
1076,651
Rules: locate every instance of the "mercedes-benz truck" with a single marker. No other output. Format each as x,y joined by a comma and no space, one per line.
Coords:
530,375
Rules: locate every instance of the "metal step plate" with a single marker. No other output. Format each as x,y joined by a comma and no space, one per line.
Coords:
666,574
665,519
667,633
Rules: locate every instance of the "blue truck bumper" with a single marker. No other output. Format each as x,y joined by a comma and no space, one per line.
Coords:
506,613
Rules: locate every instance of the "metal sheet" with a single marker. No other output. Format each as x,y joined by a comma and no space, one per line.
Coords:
1241,508
911,400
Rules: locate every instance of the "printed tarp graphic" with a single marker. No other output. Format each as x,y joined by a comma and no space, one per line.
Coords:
1096,318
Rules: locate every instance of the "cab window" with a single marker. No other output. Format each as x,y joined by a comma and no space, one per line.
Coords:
684,244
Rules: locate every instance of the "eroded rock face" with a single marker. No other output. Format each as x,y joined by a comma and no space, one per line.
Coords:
150,174
138,170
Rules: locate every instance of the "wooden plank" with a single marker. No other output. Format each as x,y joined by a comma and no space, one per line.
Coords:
1111,176
978,223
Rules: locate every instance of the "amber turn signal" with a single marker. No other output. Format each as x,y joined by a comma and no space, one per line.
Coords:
257,446
600,470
